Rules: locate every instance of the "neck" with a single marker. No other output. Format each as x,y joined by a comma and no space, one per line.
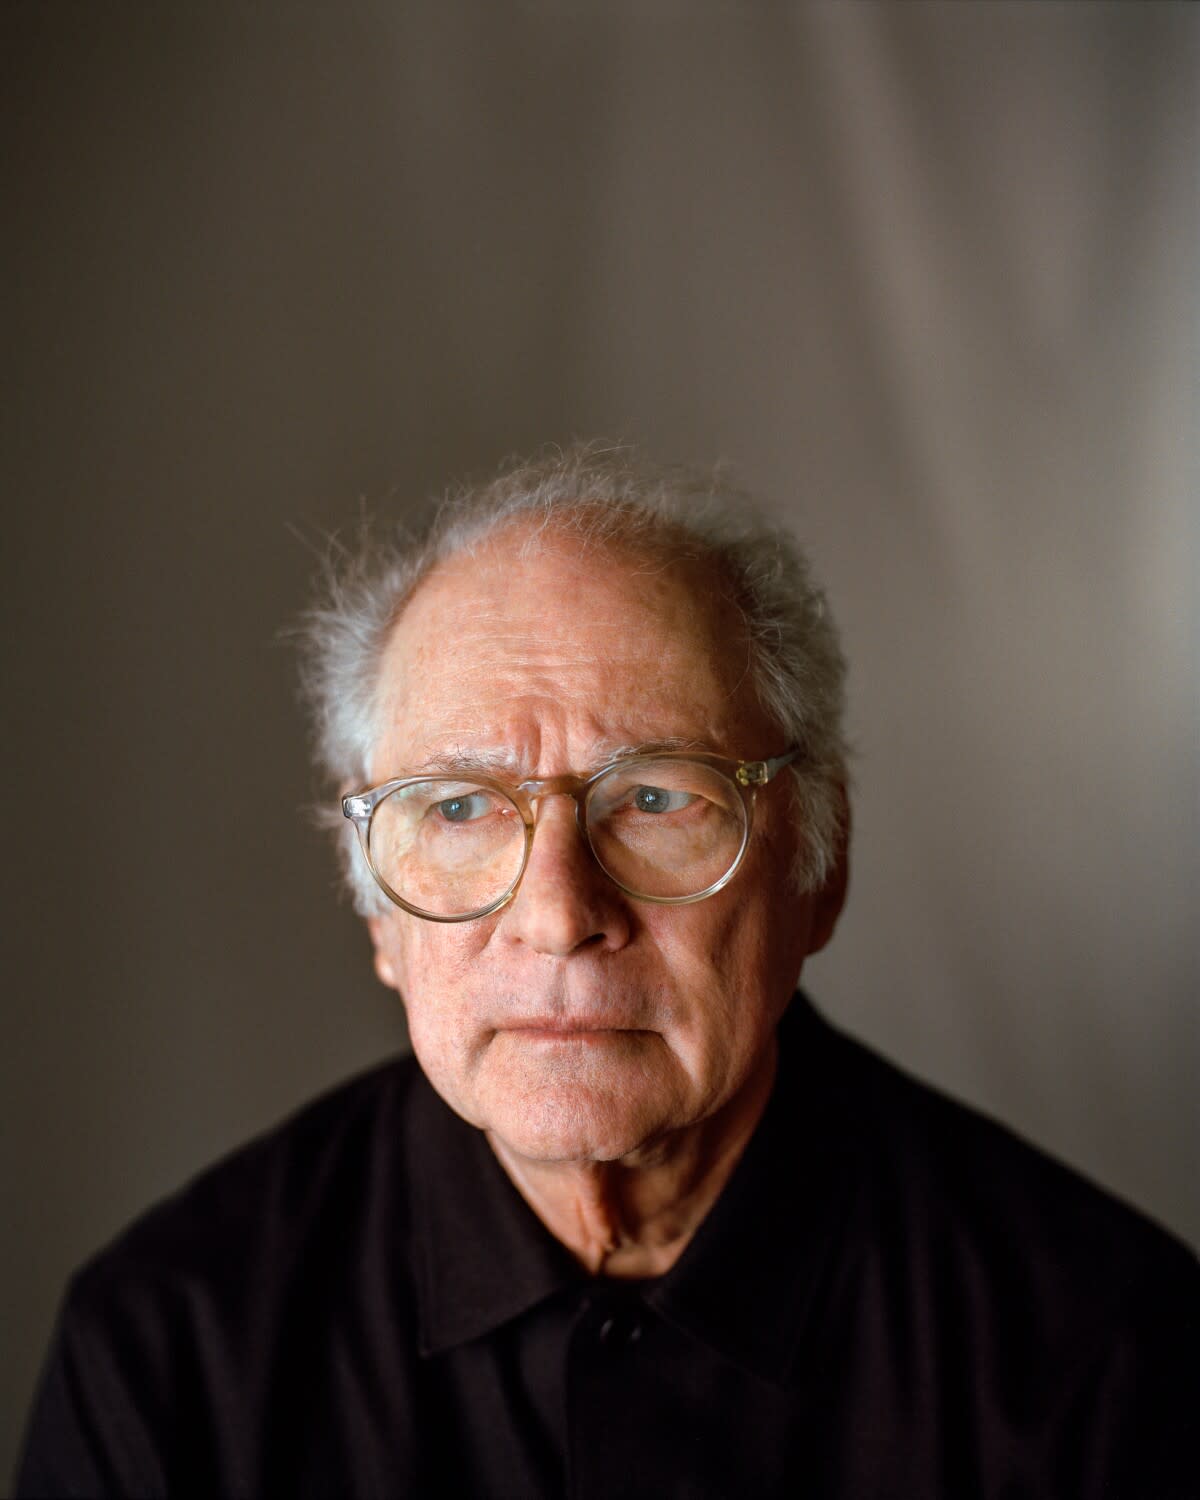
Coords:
634,1217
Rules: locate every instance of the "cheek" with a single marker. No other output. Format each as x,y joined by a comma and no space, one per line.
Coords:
723,945
733,968
433,964
717,991
428,955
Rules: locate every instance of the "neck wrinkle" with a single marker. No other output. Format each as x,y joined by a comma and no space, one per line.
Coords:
635,1221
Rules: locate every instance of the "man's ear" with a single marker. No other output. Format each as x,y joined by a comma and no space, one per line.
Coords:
829,900
384,967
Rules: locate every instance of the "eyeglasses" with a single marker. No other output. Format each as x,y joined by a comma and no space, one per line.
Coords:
666,826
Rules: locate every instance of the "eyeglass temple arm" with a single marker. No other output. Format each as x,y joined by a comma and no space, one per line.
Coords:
359,808
759,772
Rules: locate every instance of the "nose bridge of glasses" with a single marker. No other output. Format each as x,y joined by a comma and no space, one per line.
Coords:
557,786
552,786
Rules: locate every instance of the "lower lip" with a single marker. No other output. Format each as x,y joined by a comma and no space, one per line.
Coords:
580,1038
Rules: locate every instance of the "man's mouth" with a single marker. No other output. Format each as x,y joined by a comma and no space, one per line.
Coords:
578,1029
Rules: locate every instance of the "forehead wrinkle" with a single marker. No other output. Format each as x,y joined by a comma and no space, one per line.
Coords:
509,722
502,759
453,621
575,678
457,698
530,659
492,628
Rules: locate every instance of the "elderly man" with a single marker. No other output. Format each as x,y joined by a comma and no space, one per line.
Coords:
636,1221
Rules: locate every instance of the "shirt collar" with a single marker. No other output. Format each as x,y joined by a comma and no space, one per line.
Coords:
482,1255
746,1284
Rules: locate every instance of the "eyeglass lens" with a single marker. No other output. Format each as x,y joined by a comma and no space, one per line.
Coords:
660,828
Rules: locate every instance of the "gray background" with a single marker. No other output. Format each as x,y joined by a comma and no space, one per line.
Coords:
923,274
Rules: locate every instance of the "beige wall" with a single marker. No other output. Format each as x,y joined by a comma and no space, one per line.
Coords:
924,274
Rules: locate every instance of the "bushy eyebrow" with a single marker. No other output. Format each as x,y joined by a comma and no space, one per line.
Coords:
504,762
486,762
646,747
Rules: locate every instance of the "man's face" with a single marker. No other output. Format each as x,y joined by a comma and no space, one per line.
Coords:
578,1023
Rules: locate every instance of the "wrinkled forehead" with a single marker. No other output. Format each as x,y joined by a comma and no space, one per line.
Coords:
640,636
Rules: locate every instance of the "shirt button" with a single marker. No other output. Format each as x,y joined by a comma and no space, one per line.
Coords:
619,1329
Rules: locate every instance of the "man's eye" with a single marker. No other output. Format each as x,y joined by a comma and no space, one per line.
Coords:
656,799
464,809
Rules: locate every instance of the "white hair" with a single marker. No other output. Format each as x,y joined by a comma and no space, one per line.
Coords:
599,495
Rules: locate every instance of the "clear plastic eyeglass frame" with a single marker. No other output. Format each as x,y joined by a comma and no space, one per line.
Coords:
746,775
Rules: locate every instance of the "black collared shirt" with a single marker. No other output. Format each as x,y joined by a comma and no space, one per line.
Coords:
893,1297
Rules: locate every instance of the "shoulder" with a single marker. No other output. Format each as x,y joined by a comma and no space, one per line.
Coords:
978,1183
225,1299
1022,1282
292,1218
328,1156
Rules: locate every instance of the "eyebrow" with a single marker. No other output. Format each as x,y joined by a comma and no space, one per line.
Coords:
492,762
648,747
505,761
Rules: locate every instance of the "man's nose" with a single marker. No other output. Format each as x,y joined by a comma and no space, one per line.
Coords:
565,900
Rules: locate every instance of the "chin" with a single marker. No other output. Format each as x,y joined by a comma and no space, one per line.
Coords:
571,1125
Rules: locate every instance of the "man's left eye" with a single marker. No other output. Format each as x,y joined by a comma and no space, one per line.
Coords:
656,799
464,809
